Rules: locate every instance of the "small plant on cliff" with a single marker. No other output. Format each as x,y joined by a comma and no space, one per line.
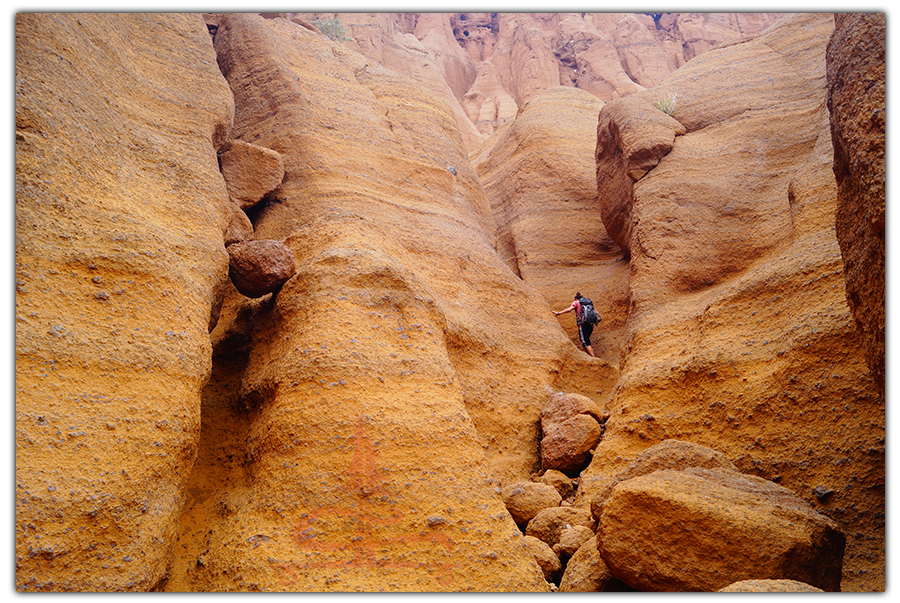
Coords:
667,105
333,28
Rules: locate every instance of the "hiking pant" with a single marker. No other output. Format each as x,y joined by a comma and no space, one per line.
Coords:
584,332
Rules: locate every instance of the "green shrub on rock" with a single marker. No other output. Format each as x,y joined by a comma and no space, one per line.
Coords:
333,28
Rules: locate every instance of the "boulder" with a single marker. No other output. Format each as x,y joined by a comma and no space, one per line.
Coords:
260,267
568,448
545,557
703,529
570,540
571,429
586,572
524,500
564,406
560,482
668,454
250,171
770,586
549,524
239,227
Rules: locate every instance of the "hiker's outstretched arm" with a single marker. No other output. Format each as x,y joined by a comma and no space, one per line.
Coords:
569,309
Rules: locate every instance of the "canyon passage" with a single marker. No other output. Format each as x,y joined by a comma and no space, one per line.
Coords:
285,294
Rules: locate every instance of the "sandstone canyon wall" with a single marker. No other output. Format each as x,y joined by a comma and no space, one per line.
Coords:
739,336
856,98
119,214
540,175
488,65
441,182
401,331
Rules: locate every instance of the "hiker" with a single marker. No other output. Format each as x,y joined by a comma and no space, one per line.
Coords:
585,318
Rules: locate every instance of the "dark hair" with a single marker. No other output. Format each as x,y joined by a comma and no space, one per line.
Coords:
577,295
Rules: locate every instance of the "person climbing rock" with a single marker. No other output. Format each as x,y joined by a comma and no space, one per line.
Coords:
585,317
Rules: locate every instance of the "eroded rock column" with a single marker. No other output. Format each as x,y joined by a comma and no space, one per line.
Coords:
739,330
120,209
387,390
856,81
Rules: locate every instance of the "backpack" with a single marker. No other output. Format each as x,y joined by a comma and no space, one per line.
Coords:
588,314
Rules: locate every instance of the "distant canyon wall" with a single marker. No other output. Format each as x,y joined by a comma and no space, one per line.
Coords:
488,65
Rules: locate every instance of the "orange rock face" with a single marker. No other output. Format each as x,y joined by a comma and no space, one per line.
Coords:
448,181
738,331
120,212
856,79
367,416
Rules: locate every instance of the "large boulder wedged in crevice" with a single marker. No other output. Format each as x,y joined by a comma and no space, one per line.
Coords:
250,171
260,267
